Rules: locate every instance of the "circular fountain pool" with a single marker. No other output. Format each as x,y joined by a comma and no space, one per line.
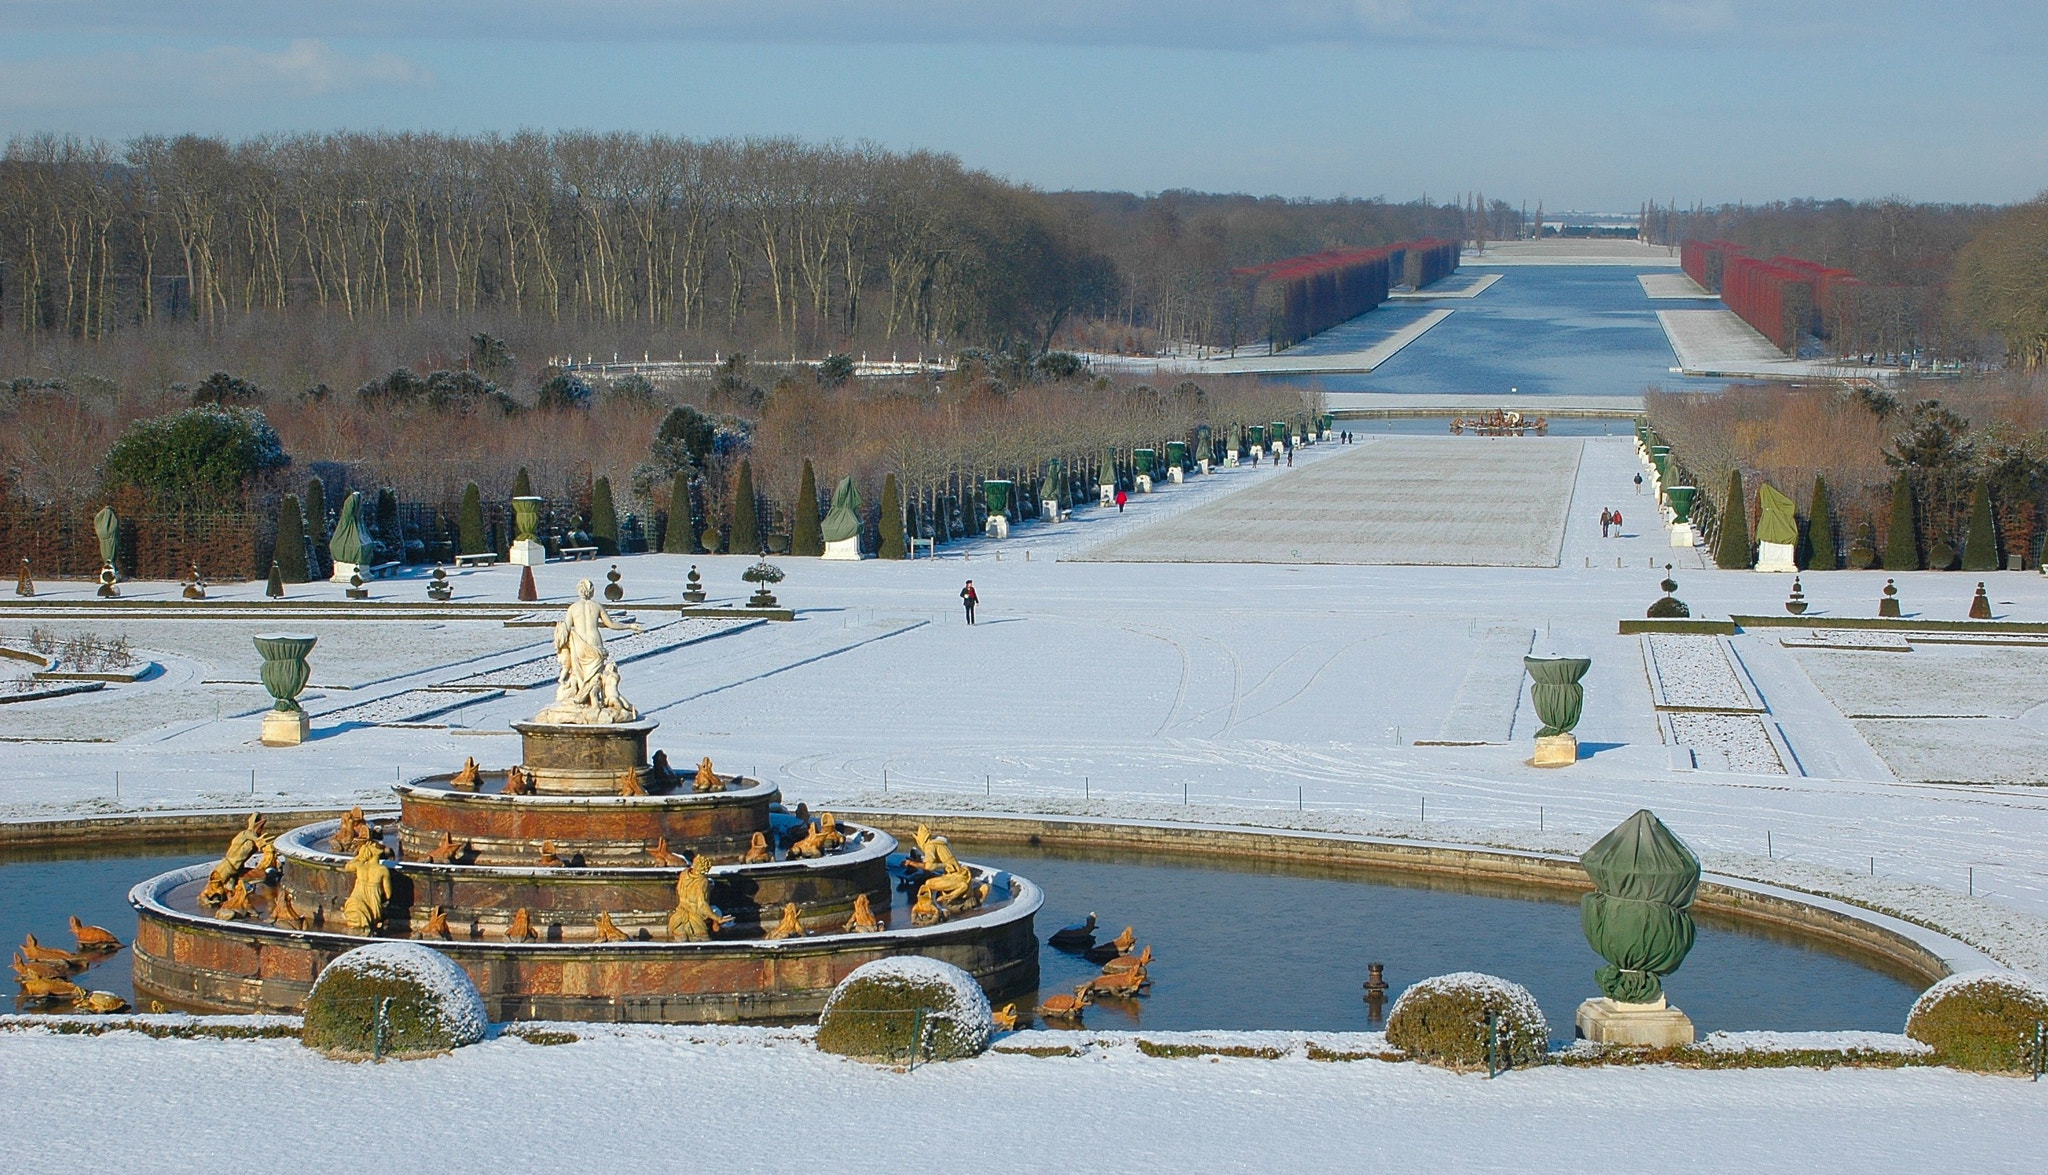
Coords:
1239,944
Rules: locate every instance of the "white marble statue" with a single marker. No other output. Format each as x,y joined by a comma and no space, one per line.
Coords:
587,687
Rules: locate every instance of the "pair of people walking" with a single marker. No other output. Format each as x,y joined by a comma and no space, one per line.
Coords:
1610,517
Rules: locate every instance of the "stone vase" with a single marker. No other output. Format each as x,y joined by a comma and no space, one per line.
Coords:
1559,700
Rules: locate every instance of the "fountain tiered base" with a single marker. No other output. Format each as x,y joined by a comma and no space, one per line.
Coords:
556,896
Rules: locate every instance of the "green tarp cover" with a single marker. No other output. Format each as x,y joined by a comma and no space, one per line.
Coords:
350,544
843,520
1645,878
1777,522
107,525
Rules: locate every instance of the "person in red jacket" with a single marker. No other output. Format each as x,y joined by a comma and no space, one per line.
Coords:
1121,498
969,599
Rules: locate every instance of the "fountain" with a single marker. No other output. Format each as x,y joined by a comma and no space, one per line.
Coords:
585,882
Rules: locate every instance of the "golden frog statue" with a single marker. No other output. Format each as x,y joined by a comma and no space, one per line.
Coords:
246,844
707,779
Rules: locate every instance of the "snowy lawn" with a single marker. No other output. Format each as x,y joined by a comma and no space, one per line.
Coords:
703,1099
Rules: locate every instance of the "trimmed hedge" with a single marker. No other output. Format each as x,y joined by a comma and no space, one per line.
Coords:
433,1007
1981,1020
1442,1020
872,1014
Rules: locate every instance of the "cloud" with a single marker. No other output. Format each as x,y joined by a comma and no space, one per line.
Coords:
165,76
1211,24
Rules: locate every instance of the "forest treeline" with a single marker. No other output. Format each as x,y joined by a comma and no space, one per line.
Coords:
649,242
1964,282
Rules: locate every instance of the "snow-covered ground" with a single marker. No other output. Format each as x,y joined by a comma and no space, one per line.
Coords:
704,1099
1354,347
1263,694
1672,285
1719,343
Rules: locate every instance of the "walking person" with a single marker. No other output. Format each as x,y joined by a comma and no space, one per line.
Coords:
1639,483
1606,520
1121,498
969,599
1617,524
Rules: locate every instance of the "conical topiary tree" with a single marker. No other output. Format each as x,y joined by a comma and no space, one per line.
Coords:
1820,530
291,540
1980,547
891,522
470,536
805,537
1731,548
681,537
522,485
604,518
746,529
1902,542
315,531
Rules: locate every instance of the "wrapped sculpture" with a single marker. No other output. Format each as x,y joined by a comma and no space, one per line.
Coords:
1636,918
841,527
1560,701
351,546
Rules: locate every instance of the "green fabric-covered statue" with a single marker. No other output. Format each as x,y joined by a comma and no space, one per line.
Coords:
842,522
1644,880
107,525
350,543
1777,522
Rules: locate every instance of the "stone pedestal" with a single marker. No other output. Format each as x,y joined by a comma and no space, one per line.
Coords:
1108,494
342,572
1657,1025
846,548
1556,750
1203,465
1174,475
1144,481
998,527
527,553
1230,458
285,728
1681,534
1776,557
572,760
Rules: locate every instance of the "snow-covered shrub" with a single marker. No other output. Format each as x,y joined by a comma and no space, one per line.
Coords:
432,1005
1442,1020
872,1014
1981,1019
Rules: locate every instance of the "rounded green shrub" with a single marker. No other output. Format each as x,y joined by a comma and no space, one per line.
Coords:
1668,608
1442,1020
872,1014
429,1004
1981,1020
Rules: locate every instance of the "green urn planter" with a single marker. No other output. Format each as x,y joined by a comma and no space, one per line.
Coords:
1560,700
526,518
997,494
1142,460
1681,503
1636,918
1177,454
285,673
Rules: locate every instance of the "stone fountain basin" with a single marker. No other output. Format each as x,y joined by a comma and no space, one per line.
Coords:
564,902
191,961
608,830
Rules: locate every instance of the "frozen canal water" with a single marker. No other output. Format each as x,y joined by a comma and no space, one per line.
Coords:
1542,330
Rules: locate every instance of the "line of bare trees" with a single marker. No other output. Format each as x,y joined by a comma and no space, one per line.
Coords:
811,245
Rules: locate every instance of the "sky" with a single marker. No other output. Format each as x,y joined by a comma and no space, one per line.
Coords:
1579,104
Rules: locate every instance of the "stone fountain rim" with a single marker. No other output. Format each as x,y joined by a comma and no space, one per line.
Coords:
421,787
292,845
1026,902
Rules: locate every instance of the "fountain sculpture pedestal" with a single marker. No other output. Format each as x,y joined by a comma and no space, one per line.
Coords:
1655,1025
1555,750
574,759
